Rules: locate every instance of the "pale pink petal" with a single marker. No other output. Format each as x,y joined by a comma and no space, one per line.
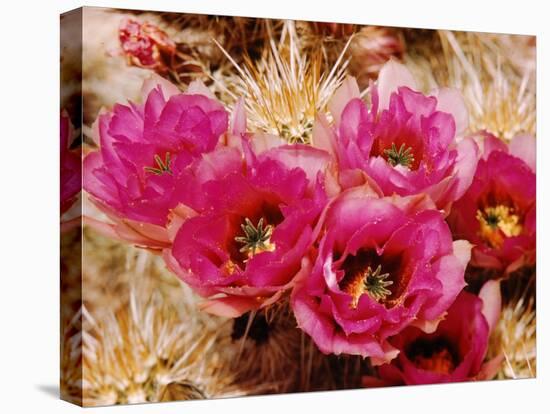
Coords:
238,118
441,193
229,307
332,186
105,229
310,160
122,232
390,354
428,326
168,88
492,302
393,75
275,297
466,164
148,230
452,187
198,88
357,178
345,93
524,146
413,204
177,217
323,136
230,140
95,126
450,272
450,100
462,250
489,143
261,142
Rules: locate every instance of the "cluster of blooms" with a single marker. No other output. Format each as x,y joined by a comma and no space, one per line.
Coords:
369,230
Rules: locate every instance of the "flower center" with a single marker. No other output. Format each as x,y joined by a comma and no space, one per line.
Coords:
256,239
402,156
434,355
298,133
497,223
162,166
372,282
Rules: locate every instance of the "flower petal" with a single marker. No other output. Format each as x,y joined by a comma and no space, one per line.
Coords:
229,307
393,75
450,100
492,302
524,146
238,118
198,88
167,87
346,92
323,136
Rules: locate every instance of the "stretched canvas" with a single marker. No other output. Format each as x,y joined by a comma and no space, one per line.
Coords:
257,206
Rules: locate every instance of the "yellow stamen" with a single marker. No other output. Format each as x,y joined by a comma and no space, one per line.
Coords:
230,267
497,223
441,362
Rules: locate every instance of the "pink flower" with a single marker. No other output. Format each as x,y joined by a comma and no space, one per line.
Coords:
143,151
70,166
145,45
454,352
408,143
381,265
498,212
246,225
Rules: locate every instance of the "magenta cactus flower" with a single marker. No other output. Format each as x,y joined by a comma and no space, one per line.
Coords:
455,352
498,212
143,149
382,264
406,142
247,225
